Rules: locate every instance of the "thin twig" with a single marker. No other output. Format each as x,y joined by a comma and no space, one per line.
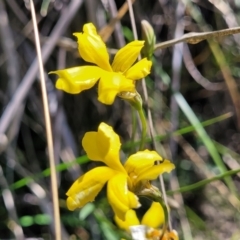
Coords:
228,15
54,184
194,38
149,120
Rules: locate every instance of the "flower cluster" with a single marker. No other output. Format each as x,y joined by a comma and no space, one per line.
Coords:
113,79
123,181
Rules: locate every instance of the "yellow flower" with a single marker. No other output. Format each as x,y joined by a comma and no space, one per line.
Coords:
131,219
153,219
113,79
123,180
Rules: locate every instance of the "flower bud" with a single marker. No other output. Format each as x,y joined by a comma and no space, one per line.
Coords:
133,98
149,37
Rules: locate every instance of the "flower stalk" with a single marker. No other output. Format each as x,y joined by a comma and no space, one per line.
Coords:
154,194
144,128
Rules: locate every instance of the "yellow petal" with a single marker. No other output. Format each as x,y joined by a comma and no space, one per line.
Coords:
154,217
131,219
119,197
139,70
153,172
87,187
126,56
92,48
141,166
75,80
103,145
141,161
111,84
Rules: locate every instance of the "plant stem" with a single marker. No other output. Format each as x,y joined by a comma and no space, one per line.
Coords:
204,182
153,194
134,128
144,128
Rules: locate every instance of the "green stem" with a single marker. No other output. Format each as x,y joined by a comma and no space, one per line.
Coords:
144,128
134,128
203,182
155,195
181,131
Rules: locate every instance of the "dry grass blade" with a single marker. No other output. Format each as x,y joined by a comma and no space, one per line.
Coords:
194,38
48,129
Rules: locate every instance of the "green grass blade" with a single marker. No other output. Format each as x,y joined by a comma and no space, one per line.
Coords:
225,150
181,131
205,138
45,173
204,182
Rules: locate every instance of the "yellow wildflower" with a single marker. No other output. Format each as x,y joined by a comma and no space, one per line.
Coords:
123,180
152,219
113,79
